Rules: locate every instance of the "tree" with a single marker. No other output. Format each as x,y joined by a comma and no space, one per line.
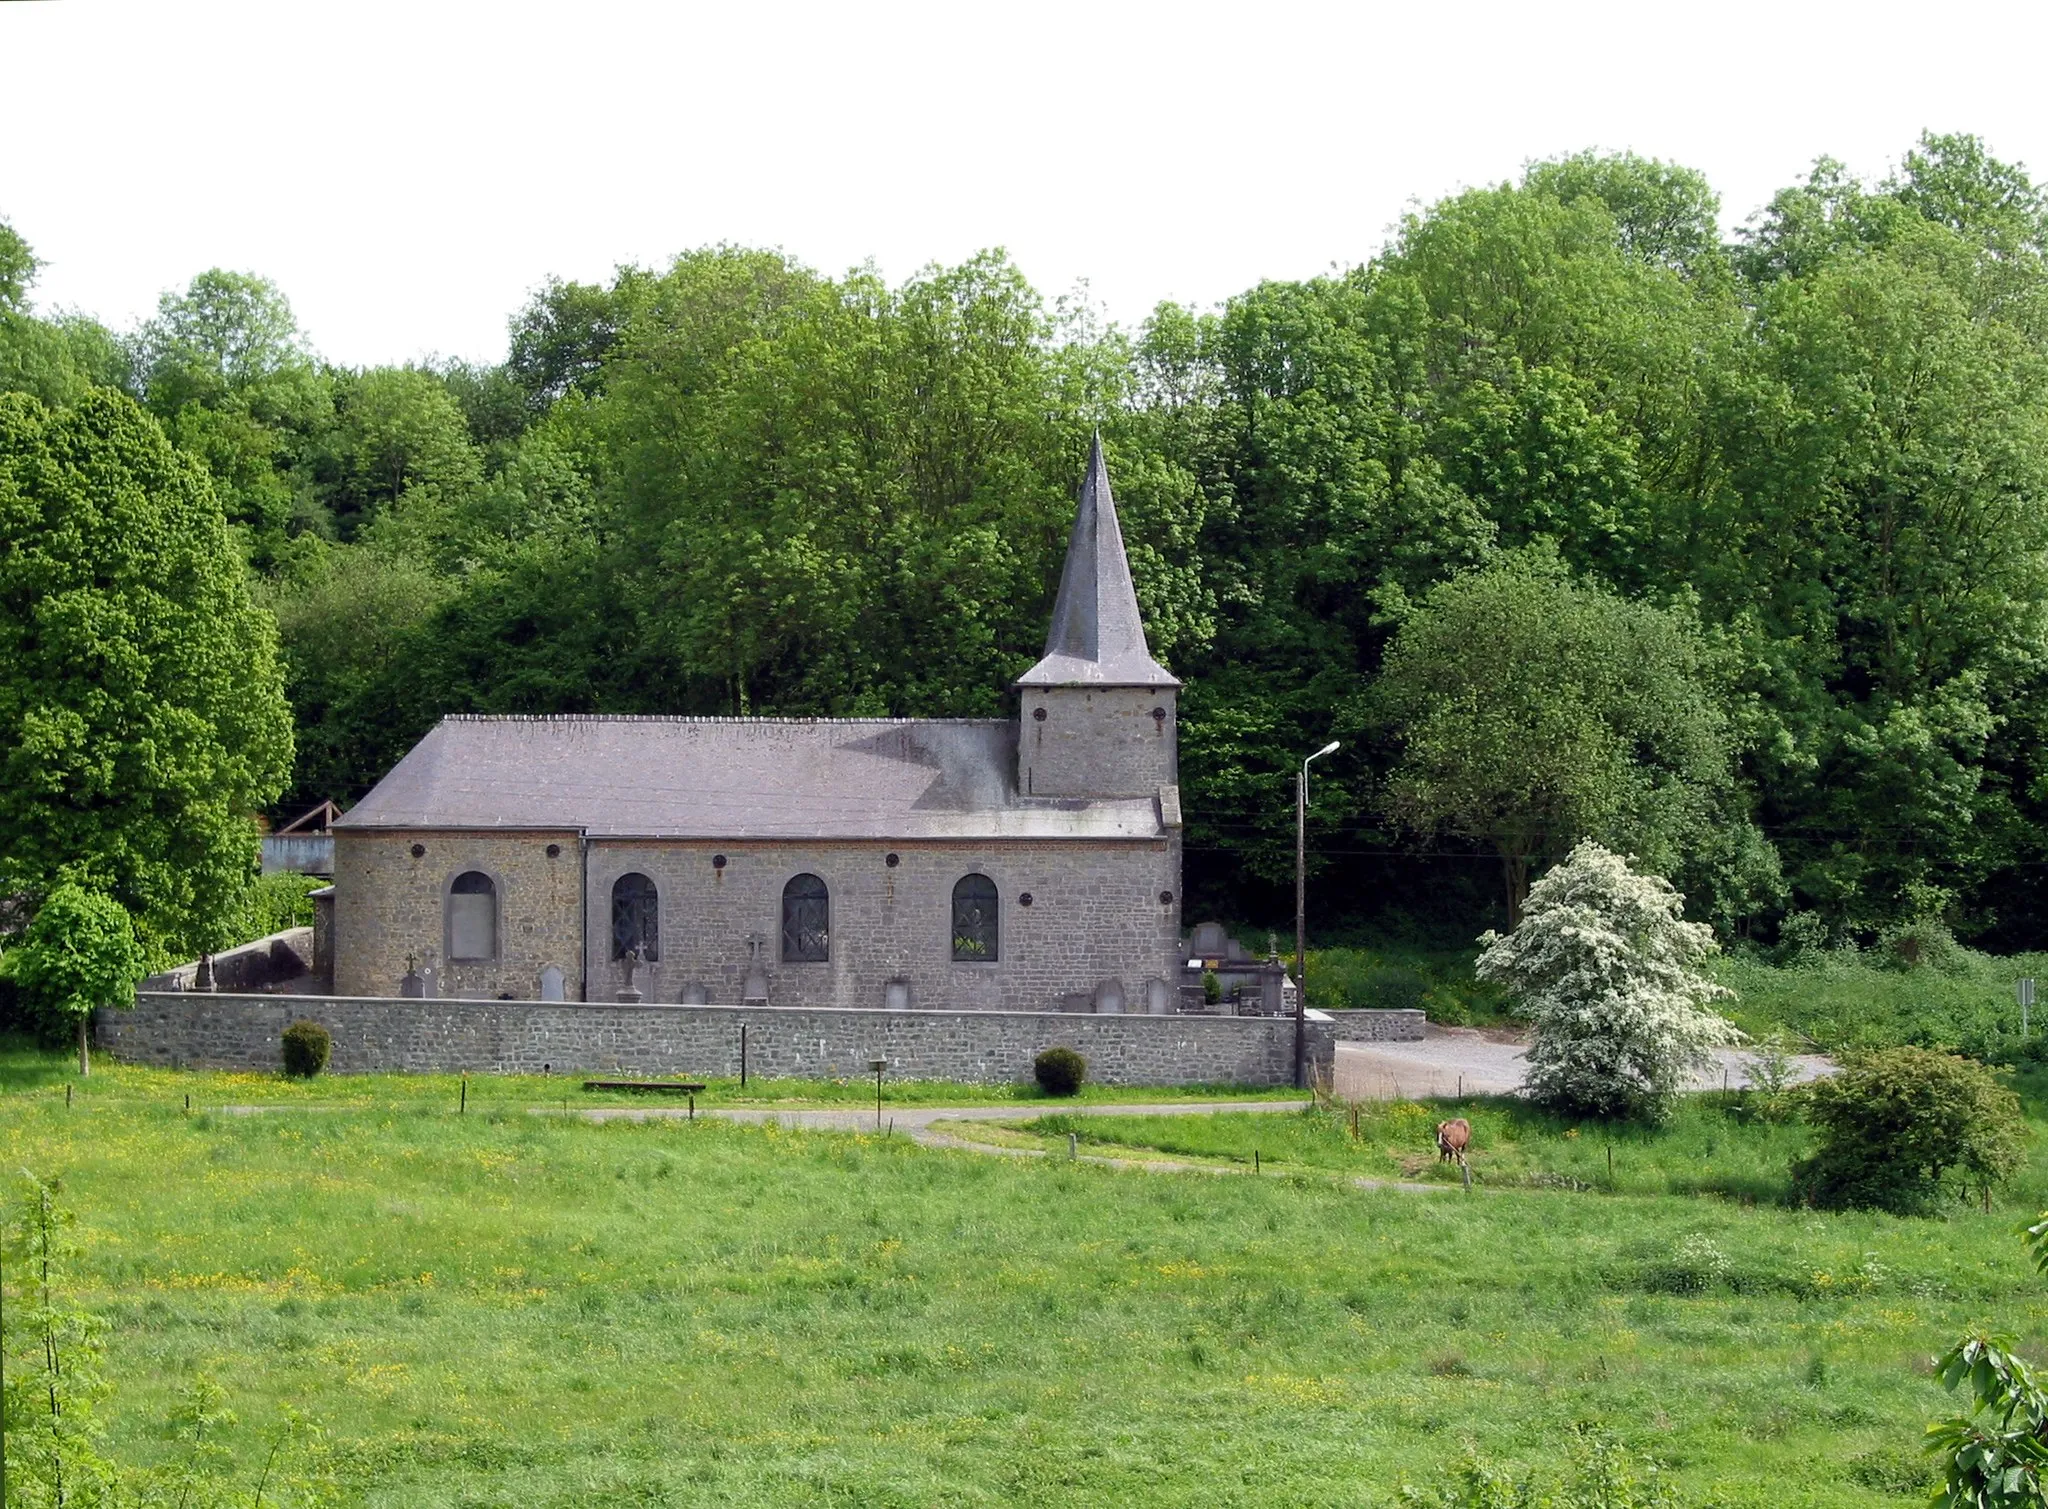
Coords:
78,955
1901,1127
1607,972
142,713
563,338
1533,711
1880,555
55,359
228,373
17,268
838,497
1995,1457
398,429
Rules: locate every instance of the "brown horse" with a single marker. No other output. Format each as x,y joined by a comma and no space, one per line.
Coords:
1452,1138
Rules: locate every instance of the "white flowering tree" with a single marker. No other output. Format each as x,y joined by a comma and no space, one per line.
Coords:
1606,970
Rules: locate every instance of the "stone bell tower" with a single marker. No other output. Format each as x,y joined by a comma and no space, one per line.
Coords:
1097,714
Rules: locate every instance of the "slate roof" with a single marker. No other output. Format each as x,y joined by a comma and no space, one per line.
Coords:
1097,637
733,779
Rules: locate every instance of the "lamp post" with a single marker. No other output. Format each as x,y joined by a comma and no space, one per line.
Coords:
1301,915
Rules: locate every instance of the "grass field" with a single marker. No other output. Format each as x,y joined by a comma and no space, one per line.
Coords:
508,1309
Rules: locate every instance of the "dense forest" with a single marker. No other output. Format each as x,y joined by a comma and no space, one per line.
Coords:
1567,515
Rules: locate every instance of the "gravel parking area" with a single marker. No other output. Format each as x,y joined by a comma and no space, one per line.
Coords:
1453,1061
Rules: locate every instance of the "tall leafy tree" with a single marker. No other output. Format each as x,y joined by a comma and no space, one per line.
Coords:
142,715
1532,712
397,430
833,496
1878,540
57,358
225,368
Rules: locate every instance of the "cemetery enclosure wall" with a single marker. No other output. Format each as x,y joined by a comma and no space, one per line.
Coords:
410,1036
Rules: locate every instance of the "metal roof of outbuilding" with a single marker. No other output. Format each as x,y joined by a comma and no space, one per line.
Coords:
733,779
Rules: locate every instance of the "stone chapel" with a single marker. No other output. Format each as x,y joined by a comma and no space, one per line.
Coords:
995,864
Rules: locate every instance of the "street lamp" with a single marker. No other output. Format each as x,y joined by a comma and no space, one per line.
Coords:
1301,915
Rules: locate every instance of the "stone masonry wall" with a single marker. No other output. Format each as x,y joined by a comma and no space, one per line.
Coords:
1375,1026
1097,741
390,903
241,1032
1095,915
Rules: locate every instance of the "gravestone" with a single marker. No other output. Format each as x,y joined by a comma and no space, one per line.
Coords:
696,993
628,993
1158,998
551,984
896,995
1109,998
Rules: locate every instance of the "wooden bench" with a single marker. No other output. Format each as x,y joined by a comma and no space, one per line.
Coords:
652,1087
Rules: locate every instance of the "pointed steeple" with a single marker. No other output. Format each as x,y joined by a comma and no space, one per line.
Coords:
1097,637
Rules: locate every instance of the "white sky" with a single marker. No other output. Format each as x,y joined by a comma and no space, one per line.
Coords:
408,171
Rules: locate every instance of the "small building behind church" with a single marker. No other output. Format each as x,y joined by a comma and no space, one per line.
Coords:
1027,864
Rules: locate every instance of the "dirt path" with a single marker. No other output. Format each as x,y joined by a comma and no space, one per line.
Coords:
917,1123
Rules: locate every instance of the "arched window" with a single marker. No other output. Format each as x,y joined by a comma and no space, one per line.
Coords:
974,920
472,917
806,921
636,917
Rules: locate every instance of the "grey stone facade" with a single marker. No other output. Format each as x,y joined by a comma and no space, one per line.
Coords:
241,1032
1097,741
1095,913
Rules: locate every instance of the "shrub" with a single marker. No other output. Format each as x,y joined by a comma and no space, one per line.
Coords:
1607,972
306,1048
1603,1475
1059,1071
1394,987
1848,1000
1212,987
1924,943
1696,1265
1901,1127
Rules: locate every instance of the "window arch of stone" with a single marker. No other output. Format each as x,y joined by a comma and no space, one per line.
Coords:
976,920
471,919
636,917
806,921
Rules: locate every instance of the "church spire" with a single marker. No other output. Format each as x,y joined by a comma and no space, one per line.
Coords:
1097,637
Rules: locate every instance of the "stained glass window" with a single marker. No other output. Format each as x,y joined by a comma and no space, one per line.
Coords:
806,921
974,920
636,917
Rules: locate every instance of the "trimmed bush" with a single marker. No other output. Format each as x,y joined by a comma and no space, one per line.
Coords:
1902,1127
1060,1071
306,1048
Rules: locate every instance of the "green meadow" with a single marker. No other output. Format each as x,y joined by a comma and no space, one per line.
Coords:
504,1308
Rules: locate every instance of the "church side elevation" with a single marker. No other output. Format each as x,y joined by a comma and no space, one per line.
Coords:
1026,865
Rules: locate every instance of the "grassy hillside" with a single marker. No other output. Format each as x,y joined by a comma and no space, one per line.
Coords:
506,1309
1835,999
